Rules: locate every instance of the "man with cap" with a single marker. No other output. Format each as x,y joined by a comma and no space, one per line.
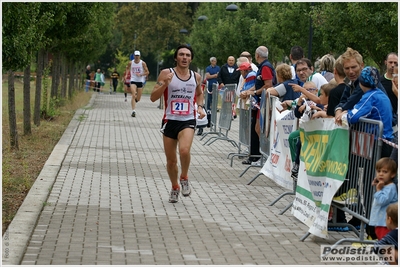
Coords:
249,76
139,71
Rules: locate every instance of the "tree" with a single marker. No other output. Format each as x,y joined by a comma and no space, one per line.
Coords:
20,37
27,100
368,27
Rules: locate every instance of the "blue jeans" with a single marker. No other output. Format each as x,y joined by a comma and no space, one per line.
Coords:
209,99
87,86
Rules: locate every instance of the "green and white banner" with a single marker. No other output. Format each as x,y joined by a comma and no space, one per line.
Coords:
323,167
278,165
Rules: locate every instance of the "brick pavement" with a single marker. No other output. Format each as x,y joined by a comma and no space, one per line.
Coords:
109,201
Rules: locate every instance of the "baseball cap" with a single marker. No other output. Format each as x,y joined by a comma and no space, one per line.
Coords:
244,66
137,53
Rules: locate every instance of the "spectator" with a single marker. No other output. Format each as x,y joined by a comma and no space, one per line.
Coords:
98,80
395,81
92,81
296,53
305,72
239,88
391,238
87,83
324,95
391,62
374,104
179,121
390,82
352,64
386,193
244,57
266,78
211,76
336,93
115,78
228,73
103,80
249,76
283,90
248,56
326,66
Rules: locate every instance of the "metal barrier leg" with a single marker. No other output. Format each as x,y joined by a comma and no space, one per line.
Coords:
286,208
238,155
253,179
248,167
205,134
286,194
233,143
281,196
304,237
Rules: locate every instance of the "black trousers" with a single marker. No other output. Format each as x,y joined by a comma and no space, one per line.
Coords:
115,84
254,138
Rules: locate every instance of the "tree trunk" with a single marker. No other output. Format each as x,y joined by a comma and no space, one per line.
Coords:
71,79
78,82
55,75
45,82
63,66
38,92
76,86
12,117
27,100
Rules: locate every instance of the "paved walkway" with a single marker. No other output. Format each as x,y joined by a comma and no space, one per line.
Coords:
102,198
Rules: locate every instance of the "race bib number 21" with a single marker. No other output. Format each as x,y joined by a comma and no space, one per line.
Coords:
180,107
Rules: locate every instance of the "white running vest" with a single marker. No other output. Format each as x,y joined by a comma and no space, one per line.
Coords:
179,98
137,68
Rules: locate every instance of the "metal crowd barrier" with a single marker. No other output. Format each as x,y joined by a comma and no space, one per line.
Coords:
265,117
225,118
365,151
244,132
265,121
214,107
205,94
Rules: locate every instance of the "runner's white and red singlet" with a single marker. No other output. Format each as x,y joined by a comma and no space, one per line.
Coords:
179,98
137,68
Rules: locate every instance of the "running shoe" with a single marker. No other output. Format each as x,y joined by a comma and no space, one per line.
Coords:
125,99
133,114
347,198
174,195
186,190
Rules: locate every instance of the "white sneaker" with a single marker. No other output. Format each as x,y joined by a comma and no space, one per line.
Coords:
174,196
186,190
125,99
256,163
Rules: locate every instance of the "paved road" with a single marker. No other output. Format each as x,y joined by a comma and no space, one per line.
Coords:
102,198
